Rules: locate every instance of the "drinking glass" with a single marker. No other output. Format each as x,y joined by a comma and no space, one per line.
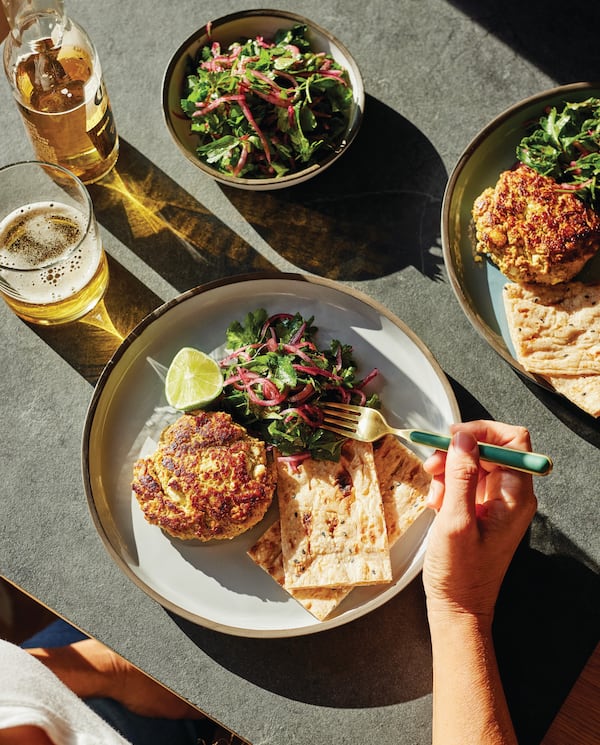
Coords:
53,268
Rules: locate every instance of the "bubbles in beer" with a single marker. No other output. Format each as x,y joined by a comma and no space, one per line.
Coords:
48,237
39,234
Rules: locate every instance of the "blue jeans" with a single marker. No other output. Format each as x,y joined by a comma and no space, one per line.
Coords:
137,729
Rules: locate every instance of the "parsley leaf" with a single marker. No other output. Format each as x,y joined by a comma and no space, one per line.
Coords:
565,145
264,109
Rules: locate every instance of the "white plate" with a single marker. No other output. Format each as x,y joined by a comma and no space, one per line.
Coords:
216,584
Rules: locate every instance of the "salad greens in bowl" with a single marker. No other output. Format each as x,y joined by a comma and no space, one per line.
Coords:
262,99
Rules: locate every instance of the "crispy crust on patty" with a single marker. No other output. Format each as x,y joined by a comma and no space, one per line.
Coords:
533,231
207,479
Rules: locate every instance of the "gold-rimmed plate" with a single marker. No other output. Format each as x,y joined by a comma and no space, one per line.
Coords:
215,584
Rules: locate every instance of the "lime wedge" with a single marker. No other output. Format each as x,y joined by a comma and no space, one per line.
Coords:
193,380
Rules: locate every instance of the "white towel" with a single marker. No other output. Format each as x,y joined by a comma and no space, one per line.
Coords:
31,694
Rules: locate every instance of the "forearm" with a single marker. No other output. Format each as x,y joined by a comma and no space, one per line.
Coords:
92,670
83,667
469,705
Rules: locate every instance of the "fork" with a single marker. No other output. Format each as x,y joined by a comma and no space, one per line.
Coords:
366,424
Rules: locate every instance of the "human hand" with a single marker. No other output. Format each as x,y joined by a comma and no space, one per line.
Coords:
483,513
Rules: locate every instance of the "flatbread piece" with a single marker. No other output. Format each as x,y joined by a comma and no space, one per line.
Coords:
556,334
333,531
403,485
320,601
583,391
555,330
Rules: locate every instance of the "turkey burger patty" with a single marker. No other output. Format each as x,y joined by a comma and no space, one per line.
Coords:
534,231
207,479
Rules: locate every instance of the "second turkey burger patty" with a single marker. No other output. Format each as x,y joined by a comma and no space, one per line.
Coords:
533,230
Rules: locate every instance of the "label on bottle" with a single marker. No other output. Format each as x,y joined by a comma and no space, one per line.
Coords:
103,133
43,147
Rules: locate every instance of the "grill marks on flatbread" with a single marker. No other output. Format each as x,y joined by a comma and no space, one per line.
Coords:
332,526
403,486
266,552
403,483
556,334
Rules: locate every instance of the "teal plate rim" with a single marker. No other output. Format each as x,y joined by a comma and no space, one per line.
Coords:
477,284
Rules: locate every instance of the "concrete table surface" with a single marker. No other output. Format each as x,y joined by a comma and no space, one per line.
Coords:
435,73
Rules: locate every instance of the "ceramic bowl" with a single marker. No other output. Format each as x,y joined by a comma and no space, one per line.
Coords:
241,26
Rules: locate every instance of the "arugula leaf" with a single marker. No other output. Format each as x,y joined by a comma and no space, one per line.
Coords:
565,145
265,109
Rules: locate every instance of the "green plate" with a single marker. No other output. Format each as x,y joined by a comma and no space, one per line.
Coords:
478,284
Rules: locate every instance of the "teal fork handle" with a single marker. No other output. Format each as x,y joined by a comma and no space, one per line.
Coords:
519,460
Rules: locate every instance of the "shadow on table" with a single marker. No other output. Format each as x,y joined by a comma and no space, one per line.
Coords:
546,627
347,667
583,425
372,213
169,230
535,30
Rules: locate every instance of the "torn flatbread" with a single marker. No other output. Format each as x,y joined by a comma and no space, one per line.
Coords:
556,334
403,484
333,531
555,329
582,390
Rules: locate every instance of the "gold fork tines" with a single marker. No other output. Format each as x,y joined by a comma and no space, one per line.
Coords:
367,425
357,422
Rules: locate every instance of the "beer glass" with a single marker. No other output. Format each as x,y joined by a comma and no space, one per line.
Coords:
53,268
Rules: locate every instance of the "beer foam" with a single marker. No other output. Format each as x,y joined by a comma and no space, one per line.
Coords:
38,234
43,253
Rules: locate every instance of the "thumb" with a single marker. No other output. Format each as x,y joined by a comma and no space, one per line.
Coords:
462,475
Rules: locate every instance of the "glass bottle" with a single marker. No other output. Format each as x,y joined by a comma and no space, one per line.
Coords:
56,77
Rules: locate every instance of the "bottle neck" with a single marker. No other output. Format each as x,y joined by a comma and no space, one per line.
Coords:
33,20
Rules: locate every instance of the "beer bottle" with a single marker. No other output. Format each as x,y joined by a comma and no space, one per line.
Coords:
56,78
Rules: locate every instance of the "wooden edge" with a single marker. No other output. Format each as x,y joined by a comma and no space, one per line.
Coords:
578,720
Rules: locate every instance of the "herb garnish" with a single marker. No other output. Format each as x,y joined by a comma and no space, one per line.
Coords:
566,146
267,108
275,377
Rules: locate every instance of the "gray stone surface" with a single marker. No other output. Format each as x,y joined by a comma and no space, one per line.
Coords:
435,72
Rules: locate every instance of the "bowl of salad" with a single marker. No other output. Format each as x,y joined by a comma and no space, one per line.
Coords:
262,99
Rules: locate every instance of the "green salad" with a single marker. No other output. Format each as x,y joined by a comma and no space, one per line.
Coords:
264,108
565,145
275,377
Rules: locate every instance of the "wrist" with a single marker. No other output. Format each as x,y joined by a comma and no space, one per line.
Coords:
444,617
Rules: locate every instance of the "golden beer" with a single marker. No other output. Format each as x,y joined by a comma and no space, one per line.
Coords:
53,268
68,119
